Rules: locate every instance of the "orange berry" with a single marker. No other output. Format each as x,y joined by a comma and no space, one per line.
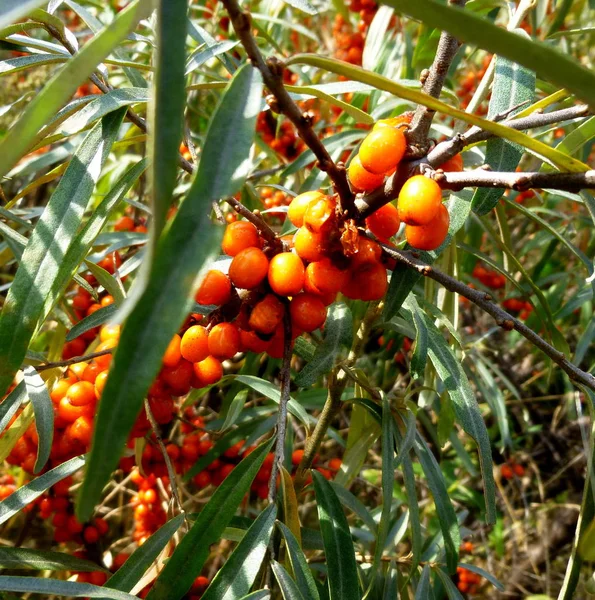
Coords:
252,343
107,300
432,235
195,345
506,471
248,268
238,236
70,413
214,289
453,165
320,214
362,180
384,222
368,252
224,340
178,378
109,332
91,372
334,464
172,354
286,274
81,302
308,245
382,149
296,457
81,393
368,282
59,390
398,121
419,200
298,206
91,534
325,277
100,383
82,430
208,371
202,479
519,470
124,224
267,314
308,312
76,370
105,360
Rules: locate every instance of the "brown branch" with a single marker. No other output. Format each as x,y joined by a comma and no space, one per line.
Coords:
272,75
72,361
448,46
449,148
282,414
263,228
519,181
502,318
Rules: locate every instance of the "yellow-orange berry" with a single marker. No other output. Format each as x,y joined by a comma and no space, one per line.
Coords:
238,236
267,314
195,345
361,179
308,245
224,340
320,214
453,165
432,235
298,206
286,274
325,277
419,200
248,268
382,150
307,311
207,371
214,289
172,354
384,222
368,251
369,282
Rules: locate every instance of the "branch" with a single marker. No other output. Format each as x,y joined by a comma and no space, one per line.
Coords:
570,182
503,319
282,414
449,148
422,119
265,231
272,71
72,361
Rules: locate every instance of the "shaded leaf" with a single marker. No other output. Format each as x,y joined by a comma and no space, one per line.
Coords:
43,408
49,587
299,565
99,317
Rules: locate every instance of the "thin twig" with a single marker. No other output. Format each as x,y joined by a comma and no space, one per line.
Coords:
503,318
282,414
448,46
72,361
263,228
272,75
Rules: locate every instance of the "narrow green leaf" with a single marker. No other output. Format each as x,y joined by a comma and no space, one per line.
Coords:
290,505
44,273
514,86
338,547
130,573
43,409
238,573
26,494
451,589
302,5
259,595
111,285
289,588
299,565
63,85
99,317
51,587
549,64
423,589
44,560
577,138
202,55
338,333
167,107
420,354
183,251
483,573
355,505
12,403
190,554
559,159
20,63
446,513
451,372
414,519
14,10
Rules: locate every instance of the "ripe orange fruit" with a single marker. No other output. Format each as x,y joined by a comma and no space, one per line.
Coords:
286,274
208,371
362,180
307,311
224,340
109,332
430,236
368,251
298,206
124,224
172,354
178,378
320,214
384,222
309,246
195,346
250,342
453,165
382,149
419,200
238,236
81,393
398,121
214,289
267,314
325,277
248,268
369,282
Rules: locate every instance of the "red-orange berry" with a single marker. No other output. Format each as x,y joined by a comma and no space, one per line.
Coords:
362,180
248,268
224,340
238,236
384,222
308,245
320,215
382,149
267,314
368,251
172,354
81,393
369,282
298,206
252,343
124,223
307,312
453,165
430,236
194,346
214,289
208,371
419,200
325,277
286,274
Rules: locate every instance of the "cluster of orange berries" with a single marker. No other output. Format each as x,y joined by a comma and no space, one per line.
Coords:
516,305
127,223
350,43
282,138
149,515
490,278
272,199
467,581
511,469
86,89
469,83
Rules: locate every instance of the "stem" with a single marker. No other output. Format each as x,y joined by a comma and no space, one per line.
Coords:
265,231
72,361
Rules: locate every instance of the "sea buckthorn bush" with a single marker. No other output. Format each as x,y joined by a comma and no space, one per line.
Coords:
296,300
